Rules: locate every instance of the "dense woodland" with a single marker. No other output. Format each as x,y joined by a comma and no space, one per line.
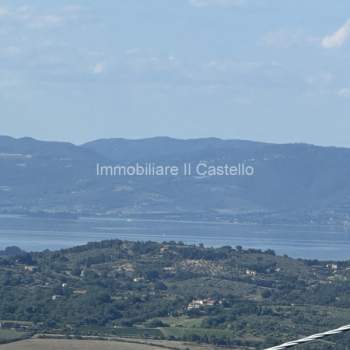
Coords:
225,296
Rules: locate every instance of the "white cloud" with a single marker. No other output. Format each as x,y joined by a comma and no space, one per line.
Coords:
345,93
99,68
337,39
220,3
34,18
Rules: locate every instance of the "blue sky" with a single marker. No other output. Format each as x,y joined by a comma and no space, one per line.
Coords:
267,70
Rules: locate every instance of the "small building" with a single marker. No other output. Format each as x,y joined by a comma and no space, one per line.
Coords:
333,267
138,279
30,268
251,273
199,303
169,269
79,291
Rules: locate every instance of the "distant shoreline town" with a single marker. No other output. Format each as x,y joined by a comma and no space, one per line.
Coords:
201,169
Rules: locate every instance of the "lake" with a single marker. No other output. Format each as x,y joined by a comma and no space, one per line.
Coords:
302,241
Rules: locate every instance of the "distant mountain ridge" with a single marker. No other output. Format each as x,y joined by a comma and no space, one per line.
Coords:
292,182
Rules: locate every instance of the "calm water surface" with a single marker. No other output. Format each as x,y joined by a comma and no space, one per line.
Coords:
312,242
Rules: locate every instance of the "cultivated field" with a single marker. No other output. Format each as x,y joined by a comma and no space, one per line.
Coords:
61,344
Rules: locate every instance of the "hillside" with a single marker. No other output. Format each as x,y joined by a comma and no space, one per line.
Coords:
170,291
292,182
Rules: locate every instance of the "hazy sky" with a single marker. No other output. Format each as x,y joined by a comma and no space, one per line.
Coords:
268,70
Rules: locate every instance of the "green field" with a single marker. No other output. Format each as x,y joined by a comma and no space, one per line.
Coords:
8,335
130,332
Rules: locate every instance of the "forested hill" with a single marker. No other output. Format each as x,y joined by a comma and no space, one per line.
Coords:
292,182
225,296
